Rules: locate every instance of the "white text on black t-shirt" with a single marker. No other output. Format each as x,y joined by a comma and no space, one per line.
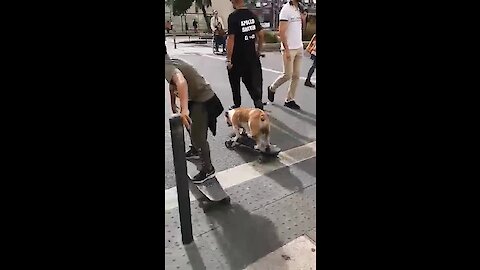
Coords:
248,25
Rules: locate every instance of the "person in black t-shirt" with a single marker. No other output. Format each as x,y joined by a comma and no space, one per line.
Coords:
244,44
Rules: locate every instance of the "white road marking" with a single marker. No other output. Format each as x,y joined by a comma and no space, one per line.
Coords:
248,171
266,69
299,254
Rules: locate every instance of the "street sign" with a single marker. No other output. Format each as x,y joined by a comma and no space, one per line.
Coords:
265,24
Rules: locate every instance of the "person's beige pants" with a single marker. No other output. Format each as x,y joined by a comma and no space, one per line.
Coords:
291,71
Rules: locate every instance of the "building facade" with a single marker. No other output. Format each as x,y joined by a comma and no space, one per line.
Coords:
266,10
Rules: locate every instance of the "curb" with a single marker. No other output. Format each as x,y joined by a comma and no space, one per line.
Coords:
198,41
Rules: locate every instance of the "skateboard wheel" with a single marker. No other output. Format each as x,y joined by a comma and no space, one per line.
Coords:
229,144
226,200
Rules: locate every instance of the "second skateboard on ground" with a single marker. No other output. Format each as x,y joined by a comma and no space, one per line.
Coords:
271,151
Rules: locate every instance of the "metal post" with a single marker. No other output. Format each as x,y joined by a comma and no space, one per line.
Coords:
174,40
181,177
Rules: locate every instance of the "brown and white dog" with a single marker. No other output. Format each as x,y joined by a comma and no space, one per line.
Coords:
254,122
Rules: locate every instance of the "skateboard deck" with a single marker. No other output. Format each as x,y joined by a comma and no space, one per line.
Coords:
212,189
244,140
209,193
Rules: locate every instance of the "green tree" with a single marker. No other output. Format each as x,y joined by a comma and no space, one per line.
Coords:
179,7
203,4
250,3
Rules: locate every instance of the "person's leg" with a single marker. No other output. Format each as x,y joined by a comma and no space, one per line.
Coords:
224,41
252,78
215,40
234,79
287,75
199,133
297,56
310,72
192,152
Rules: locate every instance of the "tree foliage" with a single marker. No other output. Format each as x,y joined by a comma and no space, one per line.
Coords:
203,4
181,6
206,3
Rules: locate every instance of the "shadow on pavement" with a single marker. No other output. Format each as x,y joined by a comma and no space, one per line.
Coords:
308,166
303,115
243,237
280,128
194,257
286,179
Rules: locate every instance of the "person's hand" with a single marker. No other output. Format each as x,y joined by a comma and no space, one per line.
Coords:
287,54
185,115
229,65
304,16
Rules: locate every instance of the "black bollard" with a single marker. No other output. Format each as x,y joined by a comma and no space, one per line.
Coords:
181,177
174,40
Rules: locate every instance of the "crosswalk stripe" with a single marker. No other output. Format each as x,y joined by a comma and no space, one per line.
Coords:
248,171
313,80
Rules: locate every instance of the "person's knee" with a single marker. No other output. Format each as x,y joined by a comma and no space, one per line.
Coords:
287,76
203,146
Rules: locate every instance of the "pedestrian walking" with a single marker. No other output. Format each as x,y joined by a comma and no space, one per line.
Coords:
290,29
244,45
312,50
195,25
198,101
168,26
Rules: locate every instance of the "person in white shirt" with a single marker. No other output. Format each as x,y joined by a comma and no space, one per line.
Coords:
291,19
218,29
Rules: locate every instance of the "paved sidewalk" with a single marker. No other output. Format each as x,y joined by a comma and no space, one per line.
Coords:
266,213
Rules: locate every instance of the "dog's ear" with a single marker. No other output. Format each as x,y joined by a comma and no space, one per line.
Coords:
227,119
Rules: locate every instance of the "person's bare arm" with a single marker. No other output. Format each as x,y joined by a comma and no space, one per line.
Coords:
230,41
173,98
221,22
282,29
212,24
182,88
260,40
304,20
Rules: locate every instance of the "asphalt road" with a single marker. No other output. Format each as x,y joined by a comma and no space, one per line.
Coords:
290,128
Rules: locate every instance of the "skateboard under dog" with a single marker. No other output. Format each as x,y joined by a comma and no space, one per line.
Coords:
211,194
271,151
